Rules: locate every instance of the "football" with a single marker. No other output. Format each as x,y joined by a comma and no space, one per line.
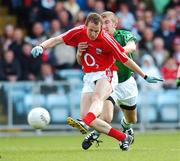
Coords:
38,118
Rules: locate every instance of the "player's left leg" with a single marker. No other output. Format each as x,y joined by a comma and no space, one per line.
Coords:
130,118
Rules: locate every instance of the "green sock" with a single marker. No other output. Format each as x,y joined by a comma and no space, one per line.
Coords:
125,124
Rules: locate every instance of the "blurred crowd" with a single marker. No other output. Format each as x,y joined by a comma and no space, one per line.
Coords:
154,23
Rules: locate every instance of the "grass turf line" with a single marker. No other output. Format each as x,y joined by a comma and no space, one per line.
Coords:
147,147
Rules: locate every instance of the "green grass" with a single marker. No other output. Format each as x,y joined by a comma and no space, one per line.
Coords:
147,147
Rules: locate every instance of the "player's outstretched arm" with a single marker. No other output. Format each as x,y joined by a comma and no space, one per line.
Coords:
133,66
38,50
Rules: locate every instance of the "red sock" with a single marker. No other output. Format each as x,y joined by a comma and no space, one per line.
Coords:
89,118
116,134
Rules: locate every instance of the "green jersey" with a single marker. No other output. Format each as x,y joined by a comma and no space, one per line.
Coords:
123,37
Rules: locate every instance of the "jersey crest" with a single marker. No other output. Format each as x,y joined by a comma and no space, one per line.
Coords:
98,51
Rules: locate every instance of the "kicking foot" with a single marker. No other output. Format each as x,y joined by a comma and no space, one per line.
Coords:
83,128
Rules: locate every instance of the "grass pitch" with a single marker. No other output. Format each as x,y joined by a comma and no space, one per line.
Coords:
147,147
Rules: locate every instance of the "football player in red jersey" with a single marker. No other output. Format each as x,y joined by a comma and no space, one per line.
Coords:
98,65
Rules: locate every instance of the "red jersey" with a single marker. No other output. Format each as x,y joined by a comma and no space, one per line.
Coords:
101,52
169,73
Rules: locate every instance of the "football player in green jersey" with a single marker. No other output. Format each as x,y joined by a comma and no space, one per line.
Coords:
125,94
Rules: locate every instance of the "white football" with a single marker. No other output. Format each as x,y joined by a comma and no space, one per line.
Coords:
38,118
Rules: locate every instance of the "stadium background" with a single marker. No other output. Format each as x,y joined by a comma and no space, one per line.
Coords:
54,80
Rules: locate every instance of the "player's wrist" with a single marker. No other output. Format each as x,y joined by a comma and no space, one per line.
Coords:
145,77
41,46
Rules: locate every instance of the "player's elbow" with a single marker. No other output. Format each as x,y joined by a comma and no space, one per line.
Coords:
133,47
130,47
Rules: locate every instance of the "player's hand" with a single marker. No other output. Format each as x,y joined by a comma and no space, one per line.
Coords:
151,79
36,51
82,46
178,82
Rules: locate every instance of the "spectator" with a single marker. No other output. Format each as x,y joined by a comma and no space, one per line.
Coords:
65,19
99,6
111,5
9,67
48,76
169,71
80,18
165,33
127,17
90,4
139,28
72,6
34,14
149,67
150,20
59,7
176,49
47,12
37,35
159,53
65,56
172,17
146,43
55,28
61,56
18,41
7,37
30,66
139,12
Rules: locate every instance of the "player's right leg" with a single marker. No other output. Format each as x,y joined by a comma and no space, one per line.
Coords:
106,115
101,91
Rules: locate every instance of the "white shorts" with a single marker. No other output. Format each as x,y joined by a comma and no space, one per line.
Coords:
90,78
126,93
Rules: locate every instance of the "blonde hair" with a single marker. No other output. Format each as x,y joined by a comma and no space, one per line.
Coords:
110,14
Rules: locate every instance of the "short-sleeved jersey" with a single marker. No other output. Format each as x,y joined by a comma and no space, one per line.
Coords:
123,37
101,52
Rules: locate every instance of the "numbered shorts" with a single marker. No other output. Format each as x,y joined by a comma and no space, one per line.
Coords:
90,78
125,93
